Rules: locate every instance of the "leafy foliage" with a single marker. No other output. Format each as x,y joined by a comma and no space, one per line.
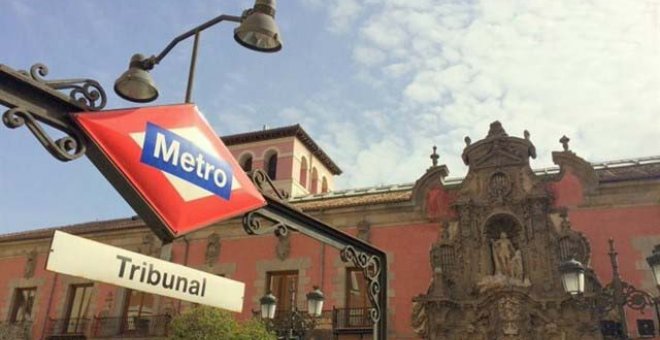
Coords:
203,322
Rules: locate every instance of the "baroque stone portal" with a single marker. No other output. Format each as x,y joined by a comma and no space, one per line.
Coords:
495,267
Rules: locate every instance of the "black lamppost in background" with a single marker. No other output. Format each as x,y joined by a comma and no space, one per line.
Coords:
293,324
617,295
654,263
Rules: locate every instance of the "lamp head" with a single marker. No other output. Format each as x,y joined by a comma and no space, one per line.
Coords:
572,275
654,263
136,84
258,30
315,302
268,304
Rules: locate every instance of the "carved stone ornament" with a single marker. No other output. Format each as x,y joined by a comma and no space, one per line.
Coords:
212,249
497,276
499,186
283,247
148,246
30,264
364,228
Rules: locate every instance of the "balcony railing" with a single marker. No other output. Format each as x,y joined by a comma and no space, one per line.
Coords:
69,327
131,327
351,321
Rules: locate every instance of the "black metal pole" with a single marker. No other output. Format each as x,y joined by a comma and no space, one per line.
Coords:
191,72
192,32
617,286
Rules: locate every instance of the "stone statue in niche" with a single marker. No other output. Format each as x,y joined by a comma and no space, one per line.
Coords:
503,254
517,266
212,249
30,264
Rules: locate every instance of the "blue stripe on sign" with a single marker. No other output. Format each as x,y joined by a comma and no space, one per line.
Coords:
169,152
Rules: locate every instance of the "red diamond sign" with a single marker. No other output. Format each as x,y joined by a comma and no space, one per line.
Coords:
180,175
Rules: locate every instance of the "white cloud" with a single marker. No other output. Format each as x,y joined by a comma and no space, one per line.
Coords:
590,70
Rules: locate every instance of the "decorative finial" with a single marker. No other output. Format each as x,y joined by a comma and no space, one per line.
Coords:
564,142
565,224
434,156
468,141
526,134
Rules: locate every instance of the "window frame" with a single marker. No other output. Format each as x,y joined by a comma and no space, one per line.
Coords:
15,305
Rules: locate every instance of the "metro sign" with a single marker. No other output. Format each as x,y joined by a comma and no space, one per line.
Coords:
178,174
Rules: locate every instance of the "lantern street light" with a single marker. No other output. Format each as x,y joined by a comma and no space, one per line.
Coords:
617,295
654,263
572,276
295,324
268,305
257,31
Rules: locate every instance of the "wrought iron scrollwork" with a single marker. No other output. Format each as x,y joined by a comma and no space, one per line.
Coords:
265,184
86,92
65,149
253,224
371,267
636,299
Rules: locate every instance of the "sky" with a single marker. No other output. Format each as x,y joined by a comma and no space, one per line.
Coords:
376,83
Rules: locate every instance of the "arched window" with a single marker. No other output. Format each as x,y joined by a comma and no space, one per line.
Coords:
324,185
315,181
303,172
271,165
246,162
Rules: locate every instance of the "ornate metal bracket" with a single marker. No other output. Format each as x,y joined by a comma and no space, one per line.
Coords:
252,224
371,267
86,92
280,217
33,100
64,149
265,184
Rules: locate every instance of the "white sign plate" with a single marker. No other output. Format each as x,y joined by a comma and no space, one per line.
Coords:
77,256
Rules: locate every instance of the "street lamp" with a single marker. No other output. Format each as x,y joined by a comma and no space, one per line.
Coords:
315,302
257,31
654,263
295,324
572,276
268,305
618,294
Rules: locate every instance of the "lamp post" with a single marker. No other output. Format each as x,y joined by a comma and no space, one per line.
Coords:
257,31
617,295
295,324
654,263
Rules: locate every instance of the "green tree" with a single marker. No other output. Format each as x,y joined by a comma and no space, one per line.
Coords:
203,322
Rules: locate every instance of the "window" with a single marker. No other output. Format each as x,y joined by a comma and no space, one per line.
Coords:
283,285
303,172
271,165
315,181
138,308
246,163
77,307
324,185
23,303
646,328
357,302
356,289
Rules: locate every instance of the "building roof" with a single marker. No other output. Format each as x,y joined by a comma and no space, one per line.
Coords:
281,132
611,171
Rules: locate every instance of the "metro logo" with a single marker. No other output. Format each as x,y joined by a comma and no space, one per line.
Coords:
178,156
170,166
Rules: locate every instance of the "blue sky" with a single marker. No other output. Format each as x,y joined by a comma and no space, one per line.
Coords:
377,83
